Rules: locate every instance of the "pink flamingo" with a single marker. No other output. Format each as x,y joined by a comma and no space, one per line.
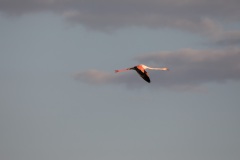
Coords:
141,70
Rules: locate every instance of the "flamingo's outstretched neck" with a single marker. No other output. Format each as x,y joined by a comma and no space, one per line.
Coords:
122,70
161,69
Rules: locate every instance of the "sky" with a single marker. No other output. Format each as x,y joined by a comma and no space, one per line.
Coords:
60,98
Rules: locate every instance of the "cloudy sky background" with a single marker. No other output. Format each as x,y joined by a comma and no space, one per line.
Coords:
60,98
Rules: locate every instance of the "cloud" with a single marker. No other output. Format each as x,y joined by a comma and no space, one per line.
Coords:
189,69
96,77
202,17
228,38
114,13
93,77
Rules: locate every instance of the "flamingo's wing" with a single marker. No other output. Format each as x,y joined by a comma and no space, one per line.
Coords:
144,75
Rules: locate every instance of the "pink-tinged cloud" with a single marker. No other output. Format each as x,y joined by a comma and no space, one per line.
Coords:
95,77
188,69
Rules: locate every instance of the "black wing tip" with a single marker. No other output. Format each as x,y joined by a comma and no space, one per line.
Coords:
147,80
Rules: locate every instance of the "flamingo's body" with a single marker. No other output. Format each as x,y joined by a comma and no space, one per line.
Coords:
141,70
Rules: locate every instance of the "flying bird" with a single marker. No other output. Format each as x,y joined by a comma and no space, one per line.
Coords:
141,70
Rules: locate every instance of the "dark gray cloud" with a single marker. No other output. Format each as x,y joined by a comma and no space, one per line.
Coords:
201,17
188,69
228,38
114,13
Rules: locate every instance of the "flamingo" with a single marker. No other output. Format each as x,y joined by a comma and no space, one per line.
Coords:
141,70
